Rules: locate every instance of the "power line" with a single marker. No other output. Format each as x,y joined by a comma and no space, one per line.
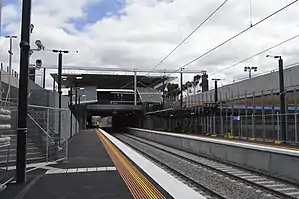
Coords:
264,73
190,34
185,39
235,36
257,54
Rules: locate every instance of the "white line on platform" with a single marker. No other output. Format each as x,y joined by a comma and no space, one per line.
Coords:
174,187
79,170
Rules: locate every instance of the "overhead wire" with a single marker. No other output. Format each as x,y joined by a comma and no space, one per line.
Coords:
235,36
185,39
264,73
256,54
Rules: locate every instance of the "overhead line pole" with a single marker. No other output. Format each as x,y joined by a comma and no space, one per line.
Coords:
59,88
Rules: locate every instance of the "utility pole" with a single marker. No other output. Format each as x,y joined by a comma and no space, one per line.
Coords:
282,101
283,134
181,90
23,92
11,37
79,102
76,105
216,105
44,78
59,87
135,87
163,91
181,100
216,91
71,117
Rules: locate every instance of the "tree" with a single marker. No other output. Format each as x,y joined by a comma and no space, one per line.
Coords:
173,90
195,82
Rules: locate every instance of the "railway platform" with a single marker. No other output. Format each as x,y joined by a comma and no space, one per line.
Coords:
99,166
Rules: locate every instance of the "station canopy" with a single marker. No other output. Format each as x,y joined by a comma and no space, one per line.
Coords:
107,81
149,95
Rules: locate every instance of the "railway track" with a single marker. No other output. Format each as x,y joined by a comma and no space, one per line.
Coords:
254,181
197,186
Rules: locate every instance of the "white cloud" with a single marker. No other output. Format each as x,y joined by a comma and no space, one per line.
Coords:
148,29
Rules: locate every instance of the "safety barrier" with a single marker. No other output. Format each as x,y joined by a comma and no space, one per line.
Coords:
5,117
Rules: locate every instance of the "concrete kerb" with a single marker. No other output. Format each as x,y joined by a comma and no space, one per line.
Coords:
283,166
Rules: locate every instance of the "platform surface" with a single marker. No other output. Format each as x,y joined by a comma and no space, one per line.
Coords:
85,151
95,168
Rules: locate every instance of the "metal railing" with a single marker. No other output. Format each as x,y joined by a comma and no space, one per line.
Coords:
43,141
263,127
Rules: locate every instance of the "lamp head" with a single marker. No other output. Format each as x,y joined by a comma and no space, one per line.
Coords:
38,63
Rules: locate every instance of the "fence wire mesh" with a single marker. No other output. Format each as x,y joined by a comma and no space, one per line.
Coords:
43,141
248,115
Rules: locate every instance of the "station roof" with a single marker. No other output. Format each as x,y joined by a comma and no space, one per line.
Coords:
149,95
107,81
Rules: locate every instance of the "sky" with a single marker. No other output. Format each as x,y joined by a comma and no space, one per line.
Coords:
139,33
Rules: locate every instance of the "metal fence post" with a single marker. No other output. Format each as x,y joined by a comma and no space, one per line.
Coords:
253,125
226,114
278,126
231,125
221,121
241,128
48,131
66,148
296,128
264,127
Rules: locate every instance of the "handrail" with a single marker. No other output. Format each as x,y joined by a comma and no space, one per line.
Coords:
39,126
46,107
44,122
35,106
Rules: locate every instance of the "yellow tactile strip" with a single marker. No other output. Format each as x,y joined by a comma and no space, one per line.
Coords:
139,186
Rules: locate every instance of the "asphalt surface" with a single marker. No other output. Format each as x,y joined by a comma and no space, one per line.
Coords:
85,151
106,185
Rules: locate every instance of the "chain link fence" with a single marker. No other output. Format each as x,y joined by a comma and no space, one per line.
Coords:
248,115
44,144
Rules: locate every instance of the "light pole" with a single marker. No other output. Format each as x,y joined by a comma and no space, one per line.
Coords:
282,98
216,91
23,92
59,86
250,69
216,104
79,103
73,86
11,37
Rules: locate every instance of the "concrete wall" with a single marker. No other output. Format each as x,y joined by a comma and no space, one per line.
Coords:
284,166
264,83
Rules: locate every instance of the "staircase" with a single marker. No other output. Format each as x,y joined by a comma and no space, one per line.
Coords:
36,140
8,154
